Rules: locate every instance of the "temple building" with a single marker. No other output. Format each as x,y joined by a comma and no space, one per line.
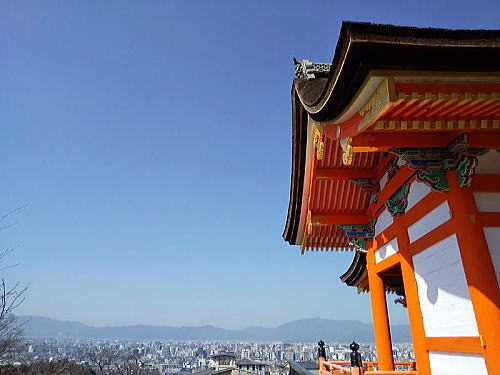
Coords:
396,157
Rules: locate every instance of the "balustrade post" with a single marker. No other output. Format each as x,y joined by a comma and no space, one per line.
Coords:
356,361
321,356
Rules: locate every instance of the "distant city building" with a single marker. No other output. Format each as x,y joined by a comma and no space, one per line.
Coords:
223,361
251,366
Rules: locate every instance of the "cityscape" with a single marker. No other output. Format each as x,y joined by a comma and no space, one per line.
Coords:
189,357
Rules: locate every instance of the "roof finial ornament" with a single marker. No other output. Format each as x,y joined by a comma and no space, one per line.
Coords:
306,69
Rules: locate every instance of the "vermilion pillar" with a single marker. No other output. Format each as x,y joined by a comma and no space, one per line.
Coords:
380,316
479,270
412,299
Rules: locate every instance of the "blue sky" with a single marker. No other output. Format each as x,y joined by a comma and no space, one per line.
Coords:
151,141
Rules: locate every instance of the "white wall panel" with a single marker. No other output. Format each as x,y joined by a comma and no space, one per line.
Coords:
387,250
430,221
418,190
443,363
493,239
489,163
383,180
383,221
487,202
443,292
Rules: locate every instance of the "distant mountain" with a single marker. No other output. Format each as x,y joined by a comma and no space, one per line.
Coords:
309,330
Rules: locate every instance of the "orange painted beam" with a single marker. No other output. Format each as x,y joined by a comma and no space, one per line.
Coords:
443,231
384,142
344,173
388,234
423,207
339,219
479,270
489,140
465,344
489,219
487,183
402,139
387,263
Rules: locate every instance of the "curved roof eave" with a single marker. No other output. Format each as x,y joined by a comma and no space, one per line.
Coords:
363,46
299,145
356,271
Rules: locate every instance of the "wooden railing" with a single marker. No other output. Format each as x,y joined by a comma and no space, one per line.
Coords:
356,366
344,367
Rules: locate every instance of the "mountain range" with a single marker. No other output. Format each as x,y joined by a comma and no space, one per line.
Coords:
305,330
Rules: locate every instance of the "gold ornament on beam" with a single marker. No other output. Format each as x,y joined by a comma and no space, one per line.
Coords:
319,144
347,151
309,224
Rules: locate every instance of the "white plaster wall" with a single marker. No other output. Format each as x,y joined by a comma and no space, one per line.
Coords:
383,180
487,202
489,163
418,190
432,220
493,239
383,221
401,162
443,292
387,250
443,363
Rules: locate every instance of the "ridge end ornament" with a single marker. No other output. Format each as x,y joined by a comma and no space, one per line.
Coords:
306,69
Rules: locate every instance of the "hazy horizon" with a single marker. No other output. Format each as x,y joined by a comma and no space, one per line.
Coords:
152,144
198,326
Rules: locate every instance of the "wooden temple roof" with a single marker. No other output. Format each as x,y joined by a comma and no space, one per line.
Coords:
356,274
383,81
363,47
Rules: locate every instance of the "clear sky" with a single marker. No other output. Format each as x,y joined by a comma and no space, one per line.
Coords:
151,140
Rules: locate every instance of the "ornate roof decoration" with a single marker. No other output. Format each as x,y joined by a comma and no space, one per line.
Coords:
310,70
398,202
358,234
433,162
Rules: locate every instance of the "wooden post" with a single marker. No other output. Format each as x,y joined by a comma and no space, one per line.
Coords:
412,299
356,362
479,270
321,356
380,316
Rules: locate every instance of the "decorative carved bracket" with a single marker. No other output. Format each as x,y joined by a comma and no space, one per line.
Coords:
432,163
358,234
367,184
398,202
392,168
